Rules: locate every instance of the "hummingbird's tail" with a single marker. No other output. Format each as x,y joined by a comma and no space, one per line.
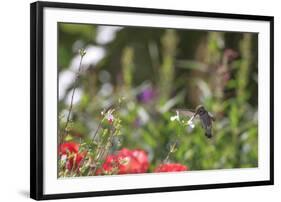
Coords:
208,133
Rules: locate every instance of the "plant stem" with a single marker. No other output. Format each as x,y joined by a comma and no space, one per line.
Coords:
104,150
72,96
171,150
167,157
97,130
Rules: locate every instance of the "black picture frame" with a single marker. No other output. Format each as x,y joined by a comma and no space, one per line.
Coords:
36,98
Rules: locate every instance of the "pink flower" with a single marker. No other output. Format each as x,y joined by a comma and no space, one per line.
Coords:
230,54
110,117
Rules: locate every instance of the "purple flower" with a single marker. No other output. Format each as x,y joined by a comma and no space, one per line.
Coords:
146,95
138,122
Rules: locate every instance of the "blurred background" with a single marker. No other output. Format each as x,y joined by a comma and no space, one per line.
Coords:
157,70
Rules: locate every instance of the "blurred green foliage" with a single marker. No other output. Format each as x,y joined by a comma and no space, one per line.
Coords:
157,70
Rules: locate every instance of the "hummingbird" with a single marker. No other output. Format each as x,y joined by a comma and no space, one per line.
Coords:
206,118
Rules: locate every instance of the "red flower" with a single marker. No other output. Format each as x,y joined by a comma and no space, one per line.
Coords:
127,161
135,161
70,151
75,161
171,167
68,147
142,159
109,163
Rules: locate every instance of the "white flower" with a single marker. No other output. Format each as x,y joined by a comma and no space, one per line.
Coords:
190,122
176,117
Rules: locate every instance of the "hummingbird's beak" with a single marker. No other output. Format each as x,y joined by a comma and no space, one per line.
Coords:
191,118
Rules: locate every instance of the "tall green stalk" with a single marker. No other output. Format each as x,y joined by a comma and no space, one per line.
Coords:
167,70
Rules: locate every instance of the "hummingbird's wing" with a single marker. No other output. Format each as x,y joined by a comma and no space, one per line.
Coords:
185,112
212,116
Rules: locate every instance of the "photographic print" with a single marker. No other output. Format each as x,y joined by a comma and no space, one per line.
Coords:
136,100
147,100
